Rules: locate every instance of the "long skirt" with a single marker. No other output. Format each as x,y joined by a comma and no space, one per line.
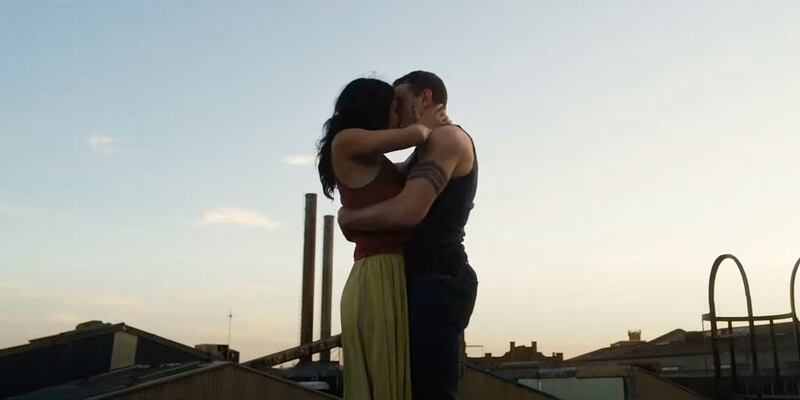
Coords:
375,342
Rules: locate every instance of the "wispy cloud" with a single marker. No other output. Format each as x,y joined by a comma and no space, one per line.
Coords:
101,143
299,160
237,216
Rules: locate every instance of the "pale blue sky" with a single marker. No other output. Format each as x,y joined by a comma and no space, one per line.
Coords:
623,146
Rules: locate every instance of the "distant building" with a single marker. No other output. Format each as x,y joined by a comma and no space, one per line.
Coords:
634,338
93,348
223,351
569,380
604,383
518,356
685,357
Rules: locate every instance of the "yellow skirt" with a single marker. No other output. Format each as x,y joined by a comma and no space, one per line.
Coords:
375,330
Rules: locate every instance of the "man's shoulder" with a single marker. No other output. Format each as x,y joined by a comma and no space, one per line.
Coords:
450,139
450,132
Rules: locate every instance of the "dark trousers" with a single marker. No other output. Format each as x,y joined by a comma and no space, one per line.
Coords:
439,309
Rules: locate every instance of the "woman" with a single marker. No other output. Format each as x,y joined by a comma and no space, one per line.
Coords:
374,314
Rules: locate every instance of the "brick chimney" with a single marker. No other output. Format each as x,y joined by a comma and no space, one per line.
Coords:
533,346
513,346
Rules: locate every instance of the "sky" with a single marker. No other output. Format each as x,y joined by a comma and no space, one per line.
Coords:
154,158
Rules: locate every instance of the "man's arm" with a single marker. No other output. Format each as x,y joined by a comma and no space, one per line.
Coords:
440,157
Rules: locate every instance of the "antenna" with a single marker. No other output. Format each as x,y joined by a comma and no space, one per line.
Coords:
230,321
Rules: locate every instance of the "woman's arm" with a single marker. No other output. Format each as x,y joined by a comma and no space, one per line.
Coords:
361,142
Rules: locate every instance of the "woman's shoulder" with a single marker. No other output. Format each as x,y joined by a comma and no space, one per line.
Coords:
348,134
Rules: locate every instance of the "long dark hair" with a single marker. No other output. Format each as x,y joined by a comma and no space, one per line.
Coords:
364,103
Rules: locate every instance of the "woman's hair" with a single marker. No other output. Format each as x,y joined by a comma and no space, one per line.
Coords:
364,103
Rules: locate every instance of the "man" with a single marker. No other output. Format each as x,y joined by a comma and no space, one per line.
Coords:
435,204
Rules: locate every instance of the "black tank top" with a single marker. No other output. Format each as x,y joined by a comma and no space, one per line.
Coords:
437,243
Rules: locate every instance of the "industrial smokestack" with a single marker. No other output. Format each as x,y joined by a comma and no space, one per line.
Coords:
309,247
327,283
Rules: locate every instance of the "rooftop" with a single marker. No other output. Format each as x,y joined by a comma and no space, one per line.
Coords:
682,343
92,329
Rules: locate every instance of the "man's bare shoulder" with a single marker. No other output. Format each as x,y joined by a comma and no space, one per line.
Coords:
449,139
450,145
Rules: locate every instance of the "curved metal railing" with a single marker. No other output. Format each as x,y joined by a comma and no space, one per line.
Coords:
777,386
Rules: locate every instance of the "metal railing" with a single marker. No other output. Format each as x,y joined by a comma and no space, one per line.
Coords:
779,386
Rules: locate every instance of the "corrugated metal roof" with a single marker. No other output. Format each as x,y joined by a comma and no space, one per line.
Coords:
136,378
484,384
109,382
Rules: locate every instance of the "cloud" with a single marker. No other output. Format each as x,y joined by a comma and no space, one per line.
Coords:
102,143
299,160
237,216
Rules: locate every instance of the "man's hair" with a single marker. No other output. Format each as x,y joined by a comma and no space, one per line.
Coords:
421,80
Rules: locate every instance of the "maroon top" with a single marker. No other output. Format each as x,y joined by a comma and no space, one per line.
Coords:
388,183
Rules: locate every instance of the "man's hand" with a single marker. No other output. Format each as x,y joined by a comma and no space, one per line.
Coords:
432,117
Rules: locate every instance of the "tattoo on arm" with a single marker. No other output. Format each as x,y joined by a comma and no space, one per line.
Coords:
431,172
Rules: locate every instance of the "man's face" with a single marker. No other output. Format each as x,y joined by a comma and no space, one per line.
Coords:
404,101
394,119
